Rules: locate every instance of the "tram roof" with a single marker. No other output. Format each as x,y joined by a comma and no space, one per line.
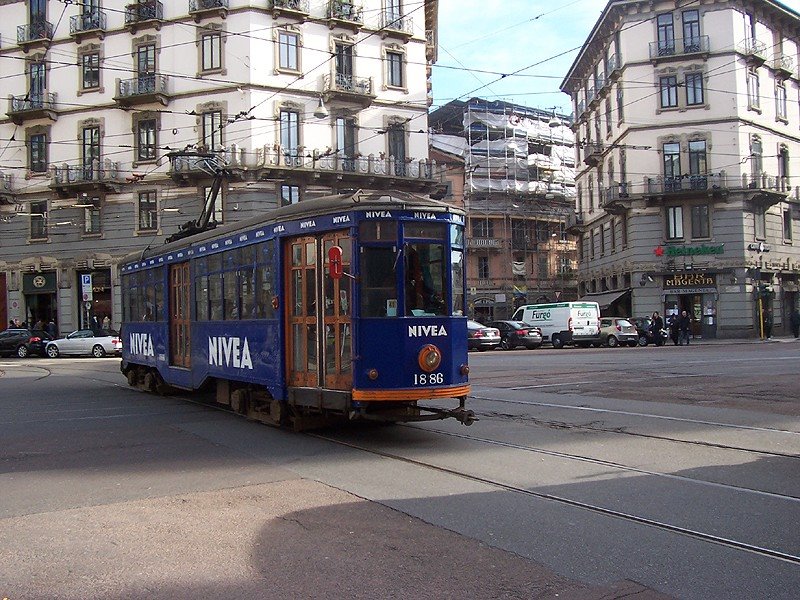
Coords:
360,200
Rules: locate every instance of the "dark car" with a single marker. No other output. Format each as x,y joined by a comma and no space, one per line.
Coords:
480,337
644,329
23,342
517,333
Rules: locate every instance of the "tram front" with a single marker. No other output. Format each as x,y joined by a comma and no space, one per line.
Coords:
410,328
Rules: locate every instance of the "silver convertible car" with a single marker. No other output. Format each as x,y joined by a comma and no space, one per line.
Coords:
86,342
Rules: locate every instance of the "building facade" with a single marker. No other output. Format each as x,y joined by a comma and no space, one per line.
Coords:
514,167
295,99
688,121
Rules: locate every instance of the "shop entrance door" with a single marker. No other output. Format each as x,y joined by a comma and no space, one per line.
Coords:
318,321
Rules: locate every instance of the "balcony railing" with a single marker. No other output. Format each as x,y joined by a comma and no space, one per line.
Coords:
152,84
590,94
581,108
29,106
479,242
678,46
146,11
317,163
592,153
34,32
89,21
350,84
784,65
687,184
297,6
613,67
198,7
393,22
341,10
754,50
98,171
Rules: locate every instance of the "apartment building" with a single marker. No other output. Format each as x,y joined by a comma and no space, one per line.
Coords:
512,168
687,117
293,98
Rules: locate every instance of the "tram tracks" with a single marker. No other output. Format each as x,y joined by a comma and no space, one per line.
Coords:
562,500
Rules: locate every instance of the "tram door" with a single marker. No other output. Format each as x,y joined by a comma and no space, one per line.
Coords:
179,338
318,341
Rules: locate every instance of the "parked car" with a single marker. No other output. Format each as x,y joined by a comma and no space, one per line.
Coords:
617,330
517,333
86,342
480,337
643,328
23,342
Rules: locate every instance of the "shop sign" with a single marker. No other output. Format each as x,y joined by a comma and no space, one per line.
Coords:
39,283
703,250
690,283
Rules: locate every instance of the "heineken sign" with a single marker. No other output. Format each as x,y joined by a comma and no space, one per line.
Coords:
703,250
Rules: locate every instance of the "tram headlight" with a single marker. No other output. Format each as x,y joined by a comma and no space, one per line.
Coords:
430,357
372,374
464,370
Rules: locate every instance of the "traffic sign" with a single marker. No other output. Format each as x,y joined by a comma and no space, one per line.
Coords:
86,286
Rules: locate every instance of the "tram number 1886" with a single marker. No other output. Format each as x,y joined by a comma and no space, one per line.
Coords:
428,378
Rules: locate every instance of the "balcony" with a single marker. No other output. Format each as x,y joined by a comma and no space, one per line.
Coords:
100,175
613,68
27,108
200,9
396,25
145,14
88,23
38,33
755,52
6,189
193,168
783,67
145,89
326,168
679,48
574,223
590,95
479,243
593,152
343,13
580,108
293,9
615,199
347,89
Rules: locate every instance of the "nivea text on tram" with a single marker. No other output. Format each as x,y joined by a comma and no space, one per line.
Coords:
426,331
229,352
141,344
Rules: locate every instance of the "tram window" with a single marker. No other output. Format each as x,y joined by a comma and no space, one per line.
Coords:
200,266
248,293
457,235
433,231
377,231
201,298
214,263
215,296
425,279
264,308
159,307
248,255
231,306
378,281
457,270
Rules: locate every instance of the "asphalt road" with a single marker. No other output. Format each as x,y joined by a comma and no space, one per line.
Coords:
598,473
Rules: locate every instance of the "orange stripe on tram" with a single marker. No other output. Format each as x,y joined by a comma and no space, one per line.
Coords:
410,394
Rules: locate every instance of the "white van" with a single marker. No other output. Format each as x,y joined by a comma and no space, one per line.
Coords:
564,322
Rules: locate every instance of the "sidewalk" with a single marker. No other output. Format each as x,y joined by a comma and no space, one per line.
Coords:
777,339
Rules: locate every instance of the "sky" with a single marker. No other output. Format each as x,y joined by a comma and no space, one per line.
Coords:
538,38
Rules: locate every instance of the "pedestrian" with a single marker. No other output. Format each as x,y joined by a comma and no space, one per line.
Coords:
656,325
768,325
50,328
11,324
794,321
106,322
684,327
674,332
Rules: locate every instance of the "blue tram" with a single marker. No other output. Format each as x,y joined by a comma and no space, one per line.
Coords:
342,307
